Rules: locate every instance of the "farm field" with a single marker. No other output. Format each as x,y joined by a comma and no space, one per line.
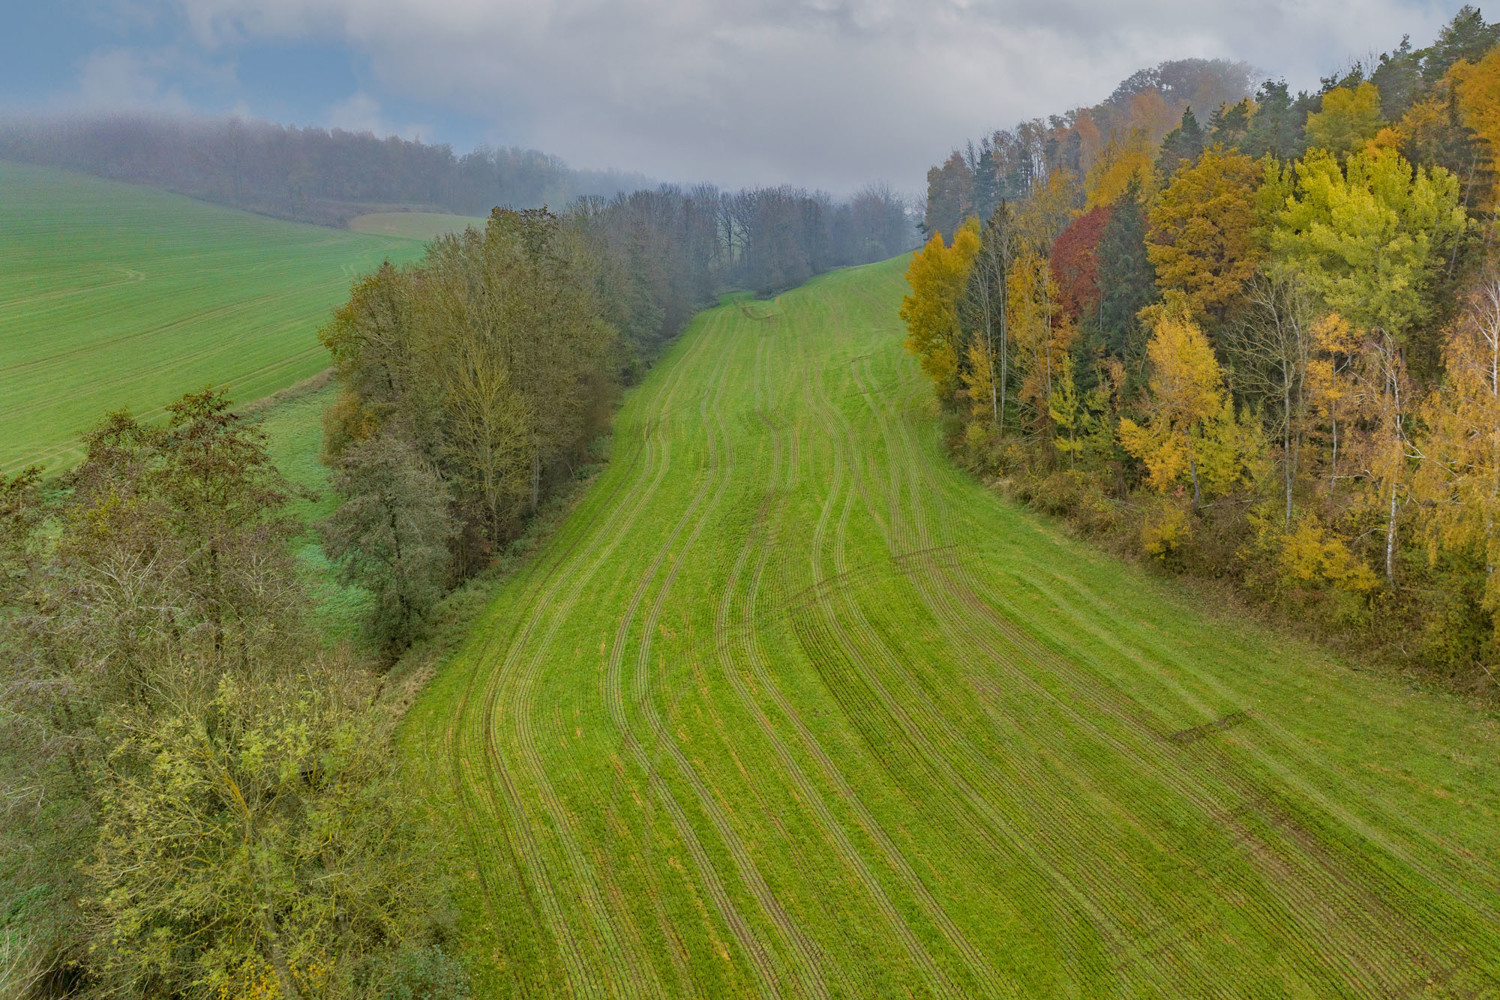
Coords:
791,706
113,295
413,225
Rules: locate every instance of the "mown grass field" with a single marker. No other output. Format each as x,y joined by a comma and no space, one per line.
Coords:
413,225
790,706
115,296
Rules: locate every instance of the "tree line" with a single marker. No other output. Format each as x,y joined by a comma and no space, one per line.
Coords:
1261,346
1007,163
473,385
323,176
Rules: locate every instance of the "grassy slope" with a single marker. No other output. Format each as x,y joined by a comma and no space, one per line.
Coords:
294,432
790,706
114,296
413,225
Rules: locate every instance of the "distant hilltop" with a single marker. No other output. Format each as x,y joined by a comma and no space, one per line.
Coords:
323,176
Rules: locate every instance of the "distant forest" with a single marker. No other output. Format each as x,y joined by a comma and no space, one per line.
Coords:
305,174
763,239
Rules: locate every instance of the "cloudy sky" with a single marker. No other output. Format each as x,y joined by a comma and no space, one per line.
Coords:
820,93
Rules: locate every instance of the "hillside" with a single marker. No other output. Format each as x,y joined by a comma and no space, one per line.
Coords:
790,706
119,296
413,225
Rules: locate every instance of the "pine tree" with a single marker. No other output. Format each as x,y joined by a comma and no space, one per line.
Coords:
1183,145
1127,281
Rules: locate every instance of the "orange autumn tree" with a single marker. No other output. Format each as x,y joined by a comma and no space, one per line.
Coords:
1202,240
938,276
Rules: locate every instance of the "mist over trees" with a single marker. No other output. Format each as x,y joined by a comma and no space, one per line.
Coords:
777,237
324,176
1008,163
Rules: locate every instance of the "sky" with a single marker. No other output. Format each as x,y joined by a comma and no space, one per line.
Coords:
825,94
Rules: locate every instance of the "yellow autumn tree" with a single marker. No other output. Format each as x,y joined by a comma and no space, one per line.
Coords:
1309,555
1478,87
1460,474
1082,427
938,275
1366,236
979,379
1120,162
1332,393
1202,239
1357,380
1046,211
1040,334
1350,117
1190,420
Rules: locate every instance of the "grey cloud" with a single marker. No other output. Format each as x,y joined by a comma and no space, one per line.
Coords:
817,92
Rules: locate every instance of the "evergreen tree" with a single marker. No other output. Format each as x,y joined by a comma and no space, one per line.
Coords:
1464,37
1184,144
1399,79
987,184
1127,281
1276,127
1230,125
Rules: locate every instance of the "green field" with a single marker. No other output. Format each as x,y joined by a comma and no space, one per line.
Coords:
413,225
294,440
115,296
790,706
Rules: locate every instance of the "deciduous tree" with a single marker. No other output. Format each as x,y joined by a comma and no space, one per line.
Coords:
938,276
1041,335
1349,118
1185,389
1202,239
391,533
1369,242
1460,471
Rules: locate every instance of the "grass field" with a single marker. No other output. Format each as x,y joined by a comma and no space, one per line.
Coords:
790,706
115,296
413,225
294,440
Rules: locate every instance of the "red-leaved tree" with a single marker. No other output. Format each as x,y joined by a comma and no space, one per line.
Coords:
1075,262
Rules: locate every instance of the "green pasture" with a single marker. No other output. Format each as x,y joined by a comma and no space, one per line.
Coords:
294,440
113,295
423,226
790,706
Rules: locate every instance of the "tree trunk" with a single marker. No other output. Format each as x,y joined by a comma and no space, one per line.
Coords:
1390,540
1004,350
1193,468
1287,453
536,476
1333,465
